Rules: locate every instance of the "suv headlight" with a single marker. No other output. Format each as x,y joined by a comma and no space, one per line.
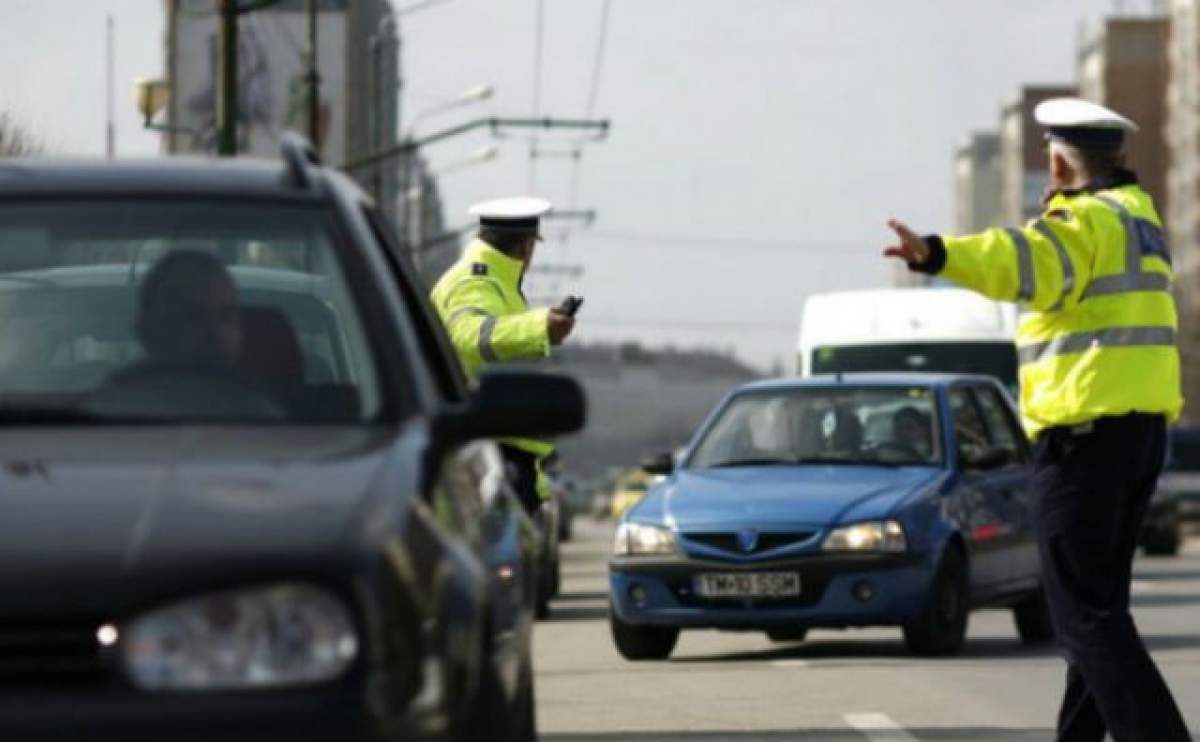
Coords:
269,637
887,536
638,539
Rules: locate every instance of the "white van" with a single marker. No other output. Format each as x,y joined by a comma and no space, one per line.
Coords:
943,330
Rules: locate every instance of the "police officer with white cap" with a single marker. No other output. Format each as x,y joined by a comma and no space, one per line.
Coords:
479,299
1099,372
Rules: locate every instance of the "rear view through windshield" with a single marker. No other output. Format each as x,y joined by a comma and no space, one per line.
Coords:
178,311
995,359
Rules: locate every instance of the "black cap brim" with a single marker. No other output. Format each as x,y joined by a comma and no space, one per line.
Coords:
1088,137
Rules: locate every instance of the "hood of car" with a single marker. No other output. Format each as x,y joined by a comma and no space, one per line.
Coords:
89,515
778,496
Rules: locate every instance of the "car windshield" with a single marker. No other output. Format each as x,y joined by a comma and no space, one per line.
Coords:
842,425
178,311
995,359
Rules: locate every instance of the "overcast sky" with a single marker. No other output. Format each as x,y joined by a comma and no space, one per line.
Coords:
757,146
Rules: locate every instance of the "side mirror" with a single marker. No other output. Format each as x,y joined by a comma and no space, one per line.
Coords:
662,464
988,458
515,403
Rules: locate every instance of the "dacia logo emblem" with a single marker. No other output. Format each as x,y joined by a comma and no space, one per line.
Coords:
748,539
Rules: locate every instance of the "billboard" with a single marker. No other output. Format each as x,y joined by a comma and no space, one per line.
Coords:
272,85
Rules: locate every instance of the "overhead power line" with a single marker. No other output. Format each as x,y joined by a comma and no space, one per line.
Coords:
593,91
598,64
729,244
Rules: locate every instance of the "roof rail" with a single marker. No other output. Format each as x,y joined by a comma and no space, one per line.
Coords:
299,155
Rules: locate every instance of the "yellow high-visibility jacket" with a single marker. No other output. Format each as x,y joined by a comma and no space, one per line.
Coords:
1094,272
479,300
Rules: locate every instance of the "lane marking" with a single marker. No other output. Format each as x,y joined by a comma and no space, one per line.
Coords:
878,727
788,664
1140,587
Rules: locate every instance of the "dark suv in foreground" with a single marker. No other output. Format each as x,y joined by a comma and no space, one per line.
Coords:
246,491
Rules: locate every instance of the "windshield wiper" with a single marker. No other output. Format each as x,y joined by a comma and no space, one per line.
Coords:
834,460
754,462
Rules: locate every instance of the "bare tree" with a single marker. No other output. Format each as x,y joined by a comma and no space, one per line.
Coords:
15,140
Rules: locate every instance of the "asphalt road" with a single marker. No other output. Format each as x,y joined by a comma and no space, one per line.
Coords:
851,685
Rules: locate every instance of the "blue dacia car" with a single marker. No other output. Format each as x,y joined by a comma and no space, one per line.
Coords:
872,500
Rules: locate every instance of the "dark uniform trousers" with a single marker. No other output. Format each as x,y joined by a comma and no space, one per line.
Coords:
523,475
1093,485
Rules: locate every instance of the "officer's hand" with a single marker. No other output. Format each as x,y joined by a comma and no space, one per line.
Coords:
912,249
558,326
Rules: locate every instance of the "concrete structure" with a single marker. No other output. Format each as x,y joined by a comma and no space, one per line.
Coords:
1023,175
977,183
1183,185
1124,66
359,62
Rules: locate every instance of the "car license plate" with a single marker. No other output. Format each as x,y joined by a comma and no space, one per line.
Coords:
748,584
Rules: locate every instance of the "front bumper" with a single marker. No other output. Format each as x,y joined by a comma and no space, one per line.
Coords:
898,583
108,712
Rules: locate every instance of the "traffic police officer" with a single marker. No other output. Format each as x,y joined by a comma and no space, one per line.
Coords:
1099,372
479,300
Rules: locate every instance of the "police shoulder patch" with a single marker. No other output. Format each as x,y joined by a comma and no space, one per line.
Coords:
479,269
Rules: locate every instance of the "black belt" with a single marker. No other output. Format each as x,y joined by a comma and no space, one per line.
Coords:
1100,423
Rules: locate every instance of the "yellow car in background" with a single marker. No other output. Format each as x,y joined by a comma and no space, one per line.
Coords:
630,488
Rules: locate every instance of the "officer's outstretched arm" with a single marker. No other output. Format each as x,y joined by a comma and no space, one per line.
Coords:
482,333
1045,265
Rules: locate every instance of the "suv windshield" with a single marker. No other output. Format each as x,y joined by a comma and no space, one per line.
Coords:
180,311
843,425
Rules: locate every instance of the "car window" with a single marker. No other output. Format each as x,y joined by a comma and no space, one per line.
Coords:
870,425
1003,431
182,310
969,430
442,362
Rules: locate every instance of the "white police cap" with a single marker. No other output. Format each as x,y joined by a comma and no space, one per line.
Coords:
1081,122
521,213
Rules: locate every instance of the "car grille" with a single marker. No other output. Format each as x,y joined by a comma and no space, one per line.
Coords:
50,652
766,541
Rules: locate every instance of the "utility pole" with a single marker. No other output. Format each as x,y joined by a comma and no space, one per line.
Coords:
110,129
227,86
314,80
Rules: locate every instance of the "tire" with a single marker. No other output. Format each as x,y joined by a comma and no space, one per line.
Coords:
787,634
1032,617
549,581
1163,542
941,627
638,643
494,717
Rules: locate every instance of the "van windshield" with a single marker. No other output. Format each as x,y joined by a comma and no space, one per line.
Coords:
996,359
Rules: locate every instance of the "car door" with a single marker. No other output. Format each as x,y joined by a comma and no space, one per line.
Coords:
470,494
981,501
1012,482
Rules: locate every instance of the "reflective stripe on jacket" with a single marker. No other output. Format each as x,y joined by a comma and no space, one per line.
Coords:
1100,334
479,300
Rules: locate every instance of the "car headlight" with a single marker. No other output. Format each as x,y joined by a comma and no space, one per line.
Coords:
269,637
885,536
638,539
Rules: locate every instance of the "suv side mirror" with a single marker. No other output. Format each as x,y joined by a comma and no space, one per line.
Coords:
515,403
988,458
662,463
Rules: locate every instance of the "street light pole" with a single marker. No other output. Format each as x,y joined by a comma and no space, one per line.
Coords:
227,86
495,123
314,80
